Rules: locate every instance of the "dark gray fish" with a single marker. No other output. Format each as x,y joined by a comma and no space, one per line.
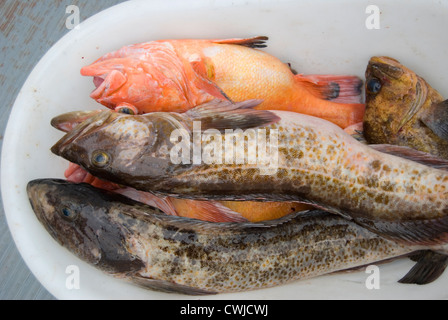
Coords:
130,240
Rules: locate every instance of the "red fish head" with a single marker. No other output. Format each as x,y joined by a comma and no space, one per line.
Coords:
122,80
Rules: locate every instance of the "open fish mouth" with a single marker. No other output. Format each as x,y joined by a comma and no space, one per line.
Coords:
107,84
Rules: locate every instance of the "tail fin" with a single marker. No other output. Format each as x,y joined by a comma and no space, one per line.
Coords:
341,89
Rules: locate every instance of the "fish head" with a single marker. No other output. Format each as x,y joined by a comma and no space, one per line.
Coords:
125,80
394,94
79,219
120,148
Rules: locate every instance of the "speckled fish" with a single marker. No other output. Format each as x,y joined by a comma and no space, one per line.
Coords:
215,211
317,163
177,75
137,242
403,109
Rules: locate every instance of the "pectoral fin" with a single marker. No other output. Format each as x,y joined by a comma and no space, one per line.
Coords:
436,119
203,79
430,265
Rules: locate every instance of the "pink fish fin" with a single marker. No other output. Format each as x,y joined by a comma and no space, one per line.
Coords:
341,89
436,119
216,212
204,82
254,42
161,202
222,114
413,155
212,211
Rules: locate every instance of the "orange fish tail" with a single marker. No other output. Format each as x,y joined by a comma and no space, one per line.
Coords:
334,98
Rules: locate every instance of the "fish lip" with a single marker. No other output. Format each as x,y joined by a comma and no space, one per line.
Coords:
86,127
112,81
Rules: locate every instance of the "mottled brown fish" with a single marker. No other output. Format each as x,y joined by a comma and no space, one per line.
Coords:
403,109
137,242
316,162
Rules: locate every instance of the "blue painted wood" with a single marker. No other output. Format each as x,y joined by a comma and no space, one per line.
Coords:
27,30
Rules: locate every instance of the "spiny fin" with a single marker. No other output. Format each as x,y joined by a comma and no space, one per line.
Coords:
413,155
341,89
436,119
430,265
222,114
427,232
167,286
205,210
254,42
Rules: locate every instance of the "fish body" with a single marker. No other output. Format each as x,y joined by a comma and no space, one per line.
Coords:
134,241
403,109
317,163
177,75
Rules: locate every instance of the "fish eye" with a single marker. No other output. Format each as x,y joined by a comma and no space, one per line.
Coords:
126,110
100,158
68,214
373,85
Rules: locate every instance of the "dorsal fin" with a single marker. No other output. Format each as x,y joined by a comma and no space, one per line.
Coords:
254,42
222,114
413,155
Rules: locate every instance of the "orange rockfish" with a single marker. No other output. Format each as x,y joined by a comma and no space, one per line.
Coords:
177,75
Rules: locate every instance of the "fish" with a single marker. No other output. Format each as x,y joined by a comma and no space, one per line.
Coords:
213,211
139,243
178,75
316,162
403,109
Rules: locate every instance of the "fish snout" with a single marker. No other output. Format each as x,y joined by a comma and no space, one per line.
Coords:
67,146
